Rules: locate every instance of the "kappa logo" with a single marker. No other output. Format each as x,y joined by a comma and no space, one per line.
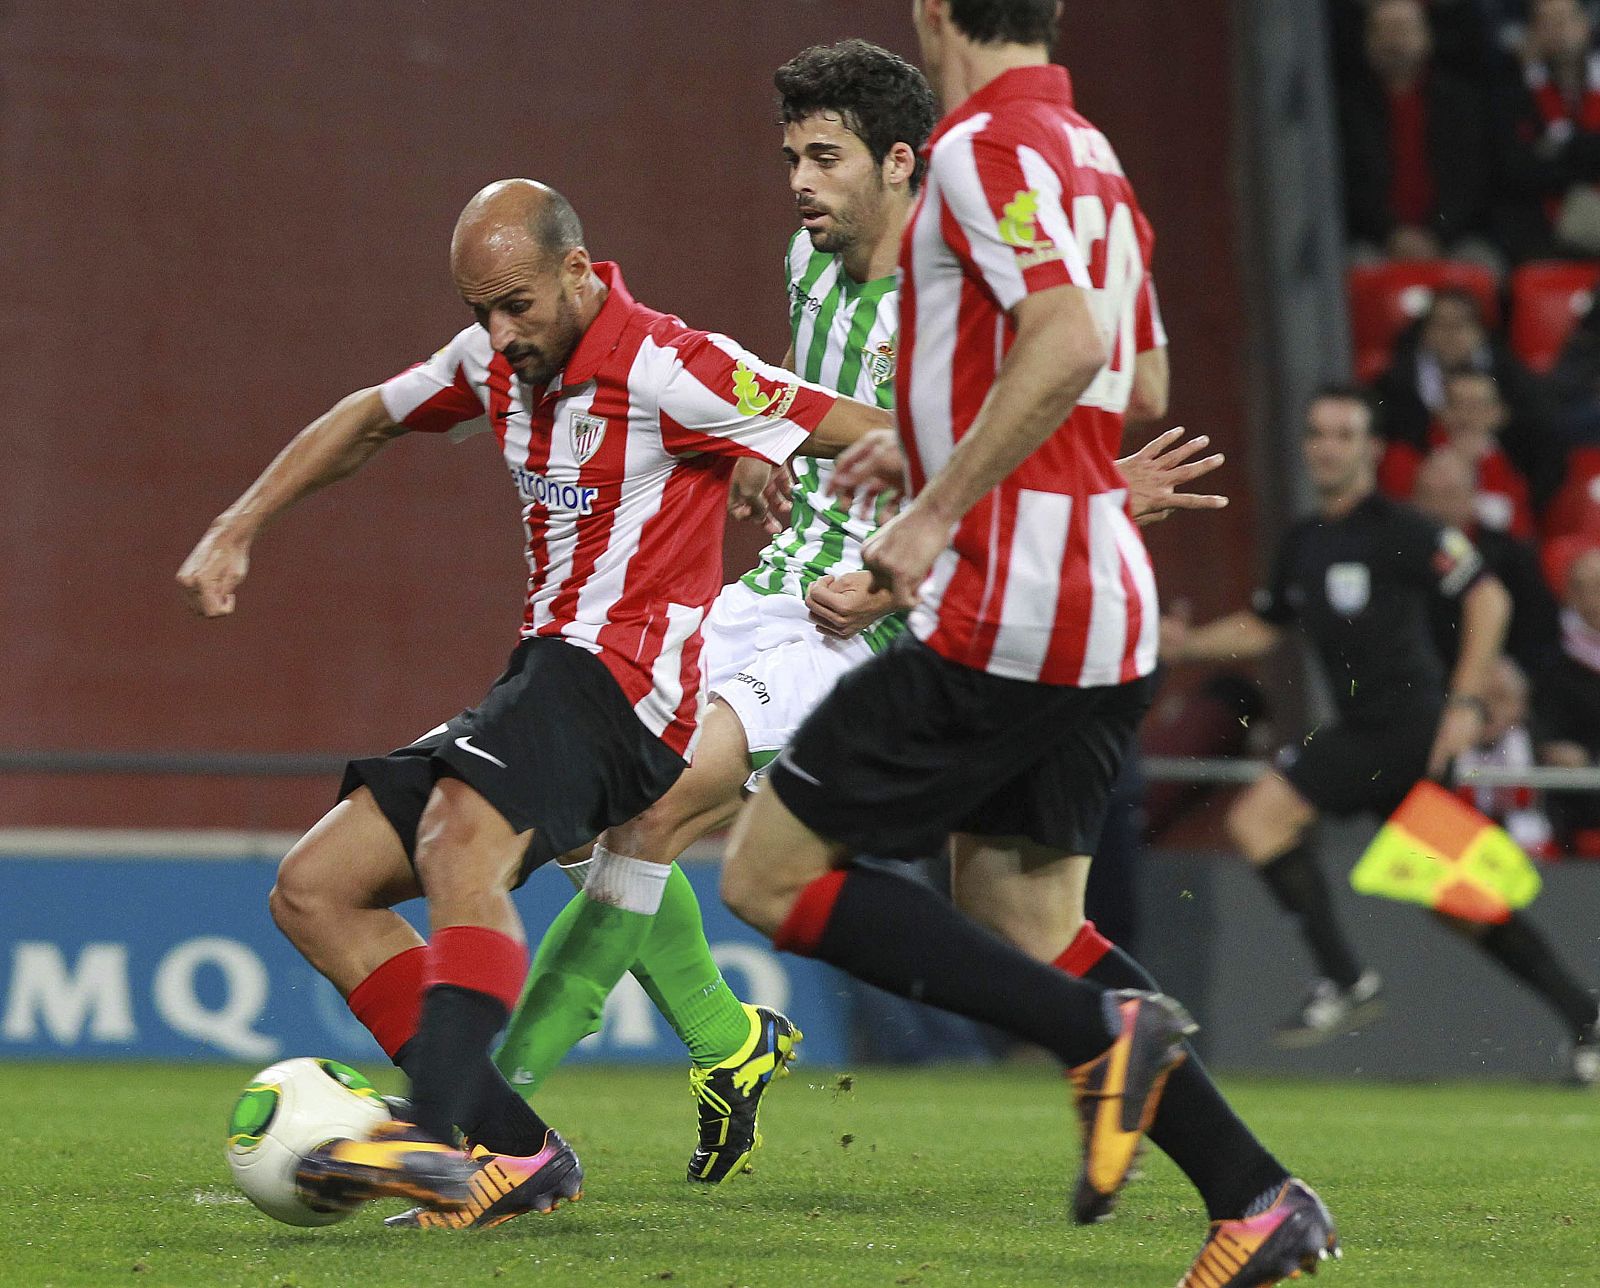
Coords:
587,433
753,398
880,362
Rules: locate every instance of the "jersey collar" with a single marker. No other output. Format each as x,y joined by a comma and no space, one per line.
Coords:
1050,82
604,333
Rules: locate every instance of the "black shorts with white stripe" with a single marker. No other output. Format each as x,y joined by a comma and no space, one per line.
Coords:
910,747
554,746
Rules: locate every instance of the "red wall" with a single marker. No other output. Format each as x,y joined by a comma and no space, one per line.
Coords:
223,216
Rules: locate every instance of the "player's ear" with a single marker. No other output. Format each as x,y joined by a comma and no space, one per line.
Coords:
575,266
899,165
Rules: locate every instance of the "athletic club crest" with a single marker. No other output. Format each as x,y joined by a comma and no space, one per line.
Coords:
1349,588
880,362
587,431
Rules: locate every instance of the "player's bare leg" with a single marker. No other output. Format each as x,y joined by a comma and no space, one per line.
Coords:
1034,898
1029,894
423,1003
336,890
1270,824
467,859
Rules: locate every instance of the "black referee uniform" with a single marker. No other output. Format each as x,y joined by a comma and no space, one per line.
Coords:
1367,588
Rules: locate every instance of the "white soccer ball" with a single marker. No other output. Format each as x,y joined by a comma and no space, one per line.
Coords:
283,1114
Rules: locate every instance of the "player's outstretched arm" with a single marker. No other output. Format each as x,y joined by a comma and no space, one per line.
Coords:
1157,470
1238,637
846,423
332,446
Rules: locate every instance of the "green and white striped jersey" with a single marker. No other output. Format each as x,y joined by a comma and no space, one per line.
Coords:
844,337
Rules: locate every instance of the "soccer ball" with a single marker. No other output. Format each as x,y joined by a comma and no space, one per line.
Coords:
283,1114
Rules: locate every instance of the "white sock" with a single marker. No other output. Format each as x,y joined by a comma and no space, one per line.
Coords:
634,885
577,873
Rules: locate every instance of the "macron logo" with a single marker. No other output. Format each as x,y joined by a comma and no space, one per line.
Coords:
465,743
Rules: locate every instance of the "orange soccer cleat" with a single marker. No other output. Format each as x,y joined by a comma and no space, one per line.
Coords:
1293,1236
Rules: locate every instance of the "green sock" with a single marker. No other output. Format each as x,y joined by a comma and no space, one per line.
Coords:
676,969
586,951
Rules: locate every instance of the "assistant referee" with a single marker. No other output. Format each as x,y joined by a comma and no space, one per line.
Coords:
1363,577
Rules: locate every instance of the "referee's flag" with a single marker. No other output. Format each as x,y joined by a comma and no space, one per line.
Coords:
1438,851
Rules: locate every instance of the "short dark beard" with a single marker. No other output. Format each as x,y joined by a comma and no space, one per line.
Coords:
566,340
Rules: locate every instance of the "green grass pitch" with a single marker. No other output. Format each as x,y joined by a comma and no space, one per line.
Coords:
114,1175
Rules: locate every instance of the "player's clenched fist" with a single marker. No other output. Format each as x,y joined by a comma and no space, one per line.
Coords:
212,573
901,555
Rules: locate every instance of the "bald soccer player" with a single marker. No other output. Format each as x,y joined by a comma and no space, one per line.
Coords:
621,427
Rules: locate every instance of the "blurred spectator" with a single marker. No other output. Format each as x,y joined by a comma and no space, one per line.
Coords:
1567,701
1452,336
1470,421
1547,138
1445,491
1465,34
1415,146
1506,744
1575,382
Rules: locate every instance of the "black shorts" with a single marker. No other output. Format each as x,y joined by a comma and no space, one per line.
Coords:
1350,768
909,748
553,746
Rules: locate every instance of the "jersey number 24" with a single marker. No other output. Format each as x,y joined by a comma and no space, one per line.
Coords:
1115,304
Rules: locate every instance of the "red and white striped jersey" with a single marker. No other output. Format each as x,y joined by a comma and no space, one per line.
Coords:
622,464
1047,578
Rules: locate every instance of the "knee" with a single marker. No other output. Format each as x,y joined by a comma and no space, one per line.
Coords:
1259,832
303,894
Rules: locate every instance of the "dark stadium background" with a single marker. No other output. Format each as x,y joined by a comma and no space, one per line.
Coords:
221,217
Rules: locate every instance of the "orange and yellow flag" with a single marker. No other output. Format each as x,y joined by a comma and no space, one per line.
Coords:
1438,851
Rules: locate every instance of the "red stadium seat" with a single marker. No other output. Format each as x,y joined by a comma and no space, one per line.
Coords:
1387,298
1547,300
1575,508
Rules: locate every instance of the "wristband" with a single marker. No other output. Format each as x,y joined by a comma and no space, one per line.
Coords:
1469,700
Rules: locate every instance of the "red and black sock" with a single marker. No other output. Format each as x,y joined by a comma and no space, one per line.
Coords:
474,977
1297,882
1194,1125
905,938
389,1001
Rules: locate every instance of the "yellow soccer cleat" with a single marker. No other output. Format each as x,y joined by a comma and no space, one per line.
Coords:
729,1096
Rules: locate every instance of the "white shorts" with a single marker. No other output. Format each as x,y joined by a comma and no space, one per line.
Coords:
767,660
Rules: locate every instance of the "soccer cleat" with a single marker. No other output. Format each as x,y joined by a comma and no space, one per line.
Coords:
1583,1057
1330,1010
1118,1091
729,1096
397,1161
1292,1236
505,1186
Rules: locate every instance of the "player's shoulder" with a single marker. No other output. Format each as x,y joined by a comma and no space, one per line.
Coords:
471,342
